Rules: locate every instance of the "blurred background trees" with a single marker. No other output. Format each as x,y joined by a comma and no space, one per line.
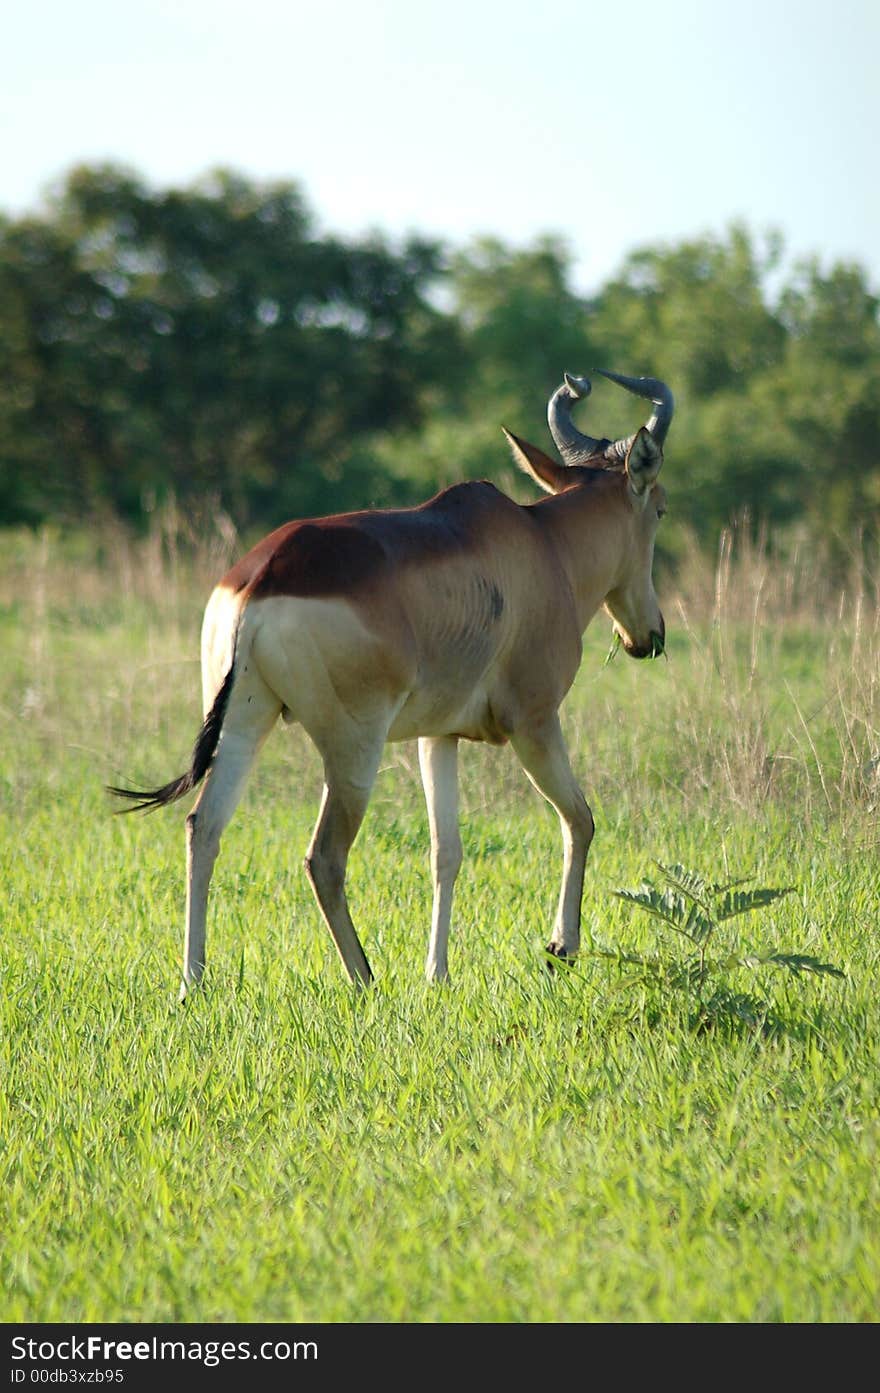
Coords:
209,343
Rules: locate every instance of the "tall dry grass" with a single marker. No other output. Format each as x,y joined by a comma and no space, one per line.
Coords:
784,659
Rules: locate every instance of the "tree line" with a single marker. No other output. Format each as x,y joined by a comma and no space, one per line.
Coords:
211,344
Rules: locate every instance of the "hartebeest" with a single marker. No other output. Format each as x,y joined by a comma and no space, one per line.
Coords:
458,619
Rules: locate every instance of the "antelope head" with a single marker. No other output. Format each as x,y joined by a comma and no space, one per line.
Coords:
631,601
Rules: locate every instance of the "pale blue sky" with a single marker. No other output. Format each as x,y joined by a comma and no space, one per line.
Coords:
613,125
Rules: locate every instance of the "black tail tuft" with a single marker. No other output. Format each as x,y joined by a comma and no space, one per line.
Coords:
146,800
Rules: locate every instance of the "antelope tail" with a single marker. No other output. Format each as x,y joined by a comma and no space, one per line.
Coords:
146,800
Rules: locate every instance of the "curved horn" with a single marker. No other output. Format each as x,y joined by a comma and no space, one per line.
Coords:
571,444
661,417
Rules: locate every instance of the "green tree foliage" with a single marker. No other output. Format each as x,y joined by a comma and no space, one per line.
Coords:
829,397
208,344
521,322
776,388
520,325
202,342
699,312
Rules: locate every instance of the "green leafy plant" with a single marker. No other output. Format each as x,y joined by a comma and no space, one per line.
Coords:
696,911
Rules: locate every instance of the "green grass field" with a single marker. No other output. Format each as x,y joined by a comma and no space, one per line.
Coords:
516,1146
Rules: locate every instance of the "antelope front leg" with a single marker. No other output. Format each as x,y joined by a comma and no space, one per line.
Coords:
438,760
544,757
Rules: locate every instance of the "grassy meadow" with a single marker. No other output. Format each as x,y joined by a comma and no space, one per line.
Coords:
516,1146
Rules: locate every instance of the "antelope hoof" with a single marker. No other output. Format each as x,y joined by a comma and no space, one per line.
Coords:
186,989
557,956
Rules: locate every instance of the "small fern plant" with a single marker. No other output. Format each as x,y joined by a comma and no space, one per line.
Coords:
694,909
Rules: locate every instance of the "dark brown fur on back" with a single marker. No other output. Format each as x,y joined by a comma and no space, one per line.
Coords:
338,555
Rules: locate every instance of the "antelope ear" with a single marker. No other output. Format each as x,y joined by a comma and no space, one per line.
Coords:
545,471
643,461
